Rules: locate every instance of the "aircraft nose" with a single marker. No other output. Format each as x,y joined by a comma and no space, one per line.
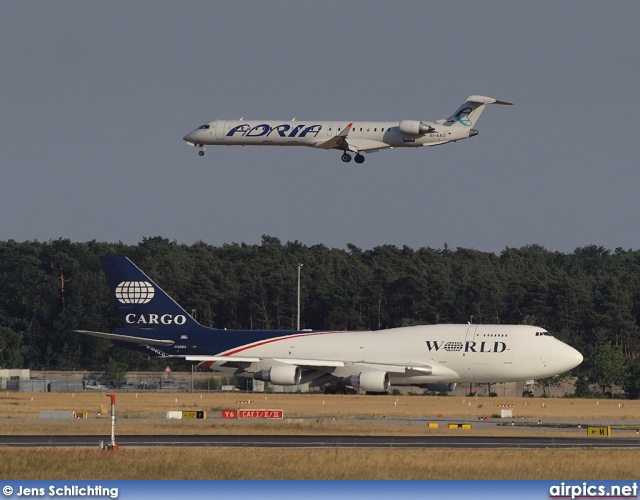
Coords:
578,357
572,357
191,137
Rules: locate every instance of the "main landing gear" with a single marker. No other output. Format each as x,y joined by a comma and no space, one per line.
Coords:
346,157
339,389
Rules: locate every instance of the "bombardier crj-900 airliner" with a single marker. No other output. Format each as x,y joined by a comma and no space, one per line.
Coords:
430,356
356,137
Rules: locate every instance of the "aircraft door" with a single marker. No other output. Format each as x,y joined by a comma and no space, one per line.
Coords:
471,332
331,130
220,132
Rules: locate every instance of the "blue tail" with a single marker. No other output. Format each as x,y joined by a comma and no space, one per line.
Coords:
141,303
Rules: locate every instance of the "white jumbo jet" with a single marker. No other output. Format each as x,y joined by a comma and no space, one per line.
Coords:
431,356
356,137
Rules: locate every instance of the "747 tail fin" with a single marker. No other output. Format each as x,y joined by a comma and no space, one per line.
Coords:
141,303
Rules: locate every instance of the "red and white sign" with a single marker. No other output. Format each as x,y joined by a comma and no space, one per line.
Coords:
229,414
260,413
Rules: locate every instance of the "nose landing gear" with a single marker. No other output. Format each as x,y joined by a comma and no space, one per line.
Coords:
201,152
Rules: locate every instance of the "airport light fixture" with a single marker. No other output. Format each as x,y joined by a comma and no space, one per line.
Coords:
299,267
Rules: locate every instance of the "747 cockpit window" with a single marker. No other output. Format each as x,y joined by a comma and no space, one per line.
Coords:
203,127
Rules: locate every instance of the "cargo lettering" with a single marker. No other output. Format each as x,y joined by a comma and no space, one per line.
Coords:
155,319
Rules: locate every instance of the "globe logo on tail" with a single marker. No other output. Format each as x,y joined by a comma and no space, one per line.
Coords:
462,117
134,292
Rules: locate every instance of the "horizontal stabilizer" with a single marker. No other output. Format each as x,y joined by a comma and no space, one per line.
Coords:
127,338
480,99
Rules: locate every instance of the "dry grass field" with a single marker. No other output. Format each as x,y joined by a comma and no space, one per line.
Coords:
260,463
144,413
155,405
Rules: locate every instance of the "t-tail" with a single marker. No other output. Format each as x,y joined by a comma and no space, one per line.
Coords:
467,115
141,303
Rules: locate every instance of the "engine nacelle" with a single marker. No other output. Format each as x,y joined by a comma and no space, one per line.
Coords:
414,127
374,381
280,375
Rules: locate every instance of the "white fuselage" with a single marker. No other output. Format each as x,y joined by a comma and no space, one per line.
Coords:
347,136
428,354
364,136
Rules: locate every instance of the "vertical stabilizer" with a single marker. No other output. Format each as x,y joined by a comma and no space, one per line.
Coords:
141,303
467,114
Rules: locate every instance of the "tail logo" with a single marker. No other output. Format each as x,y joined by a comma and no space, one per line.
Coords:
134,292
462,116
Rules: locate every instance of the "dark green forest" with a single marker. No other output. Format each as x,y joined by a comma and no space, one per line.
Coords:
589,298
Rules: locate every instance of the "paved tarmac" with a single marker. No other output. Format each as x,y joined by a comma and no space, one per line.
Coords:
301,441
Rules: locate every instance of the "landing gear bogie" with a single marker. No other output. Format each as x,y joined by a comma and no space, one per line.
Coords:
346,157
359,158
339,389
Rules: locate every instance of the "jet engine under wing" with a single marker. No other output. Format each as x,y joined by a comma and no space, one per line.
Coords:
337,142
127,338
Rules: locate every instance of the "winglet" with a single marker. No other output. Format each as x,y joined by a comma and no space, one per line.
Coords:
346,130
337,142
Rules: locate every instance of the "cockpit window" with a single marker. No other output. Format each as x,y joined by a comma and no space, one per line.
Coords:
203,127
540,334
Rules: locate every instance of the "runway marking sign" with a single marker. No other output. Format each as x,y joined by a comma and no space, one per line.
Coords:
593,431
260,414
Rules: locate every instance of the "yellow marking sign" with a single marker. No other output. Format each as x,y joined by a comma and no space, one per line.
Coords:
458,426
193,414
598,431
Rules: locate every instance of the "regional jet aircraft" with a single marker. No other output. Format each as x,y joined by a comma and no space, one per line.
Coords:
430,356
347,136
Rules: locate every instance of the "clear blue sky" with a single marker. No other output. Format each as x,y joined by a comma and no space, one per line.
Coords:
96,97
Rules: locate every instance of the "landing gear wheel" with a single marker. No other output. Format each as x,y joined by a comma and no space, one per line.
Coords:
359,158
346,158
200,153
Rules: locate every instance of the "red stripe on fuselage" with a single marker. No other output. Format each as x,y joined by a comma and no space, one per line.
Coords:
269,341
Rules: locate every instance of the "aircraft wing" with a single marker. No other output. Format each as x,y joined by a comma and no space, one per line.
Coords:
241,360
127,338
321,365
337,142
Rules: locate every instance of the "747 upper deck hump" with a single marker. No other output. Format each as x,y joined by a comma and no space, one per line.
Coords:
346,136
